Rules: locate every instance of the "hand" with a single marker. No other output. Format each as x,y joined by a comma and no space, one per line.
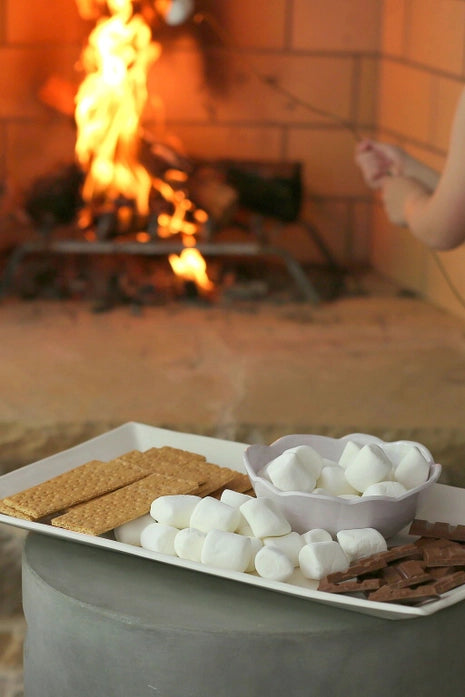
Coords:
396,191
378,160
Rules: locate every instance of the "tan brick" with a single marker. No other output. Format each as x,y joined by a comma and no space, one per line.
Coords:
393,36
367,91
436,34
405,100
336,25
328,158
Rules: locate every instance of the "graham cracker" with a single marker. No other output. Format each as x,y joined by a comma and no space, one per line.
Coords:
80,484
9,510
218,478
177,463
106,512
239,482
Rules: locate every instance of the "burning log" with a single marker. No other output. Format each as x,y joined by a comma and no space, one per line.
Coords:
271,189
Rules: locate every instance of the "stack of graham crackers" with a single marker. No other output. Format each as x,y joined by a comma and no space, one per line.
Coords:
97,497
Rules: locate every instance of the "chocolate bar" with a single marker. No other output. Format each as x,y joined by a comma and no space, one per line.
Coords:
352,586
450,581
445,553
367,565
424,528
390,594
409,573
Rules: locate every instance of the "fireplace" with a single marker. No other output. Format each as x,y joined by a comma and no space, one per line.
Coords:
234,84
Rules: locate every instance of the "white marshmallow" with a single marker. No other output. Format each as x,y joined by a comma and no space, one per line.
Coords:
316,535
256,545
318,559
273,564
188,544
309,457
361,542
289,544
288,473
389,488
244,528
159,538
234,498
210,514
351,450
333,479
175,510
413,469
129,532
226,550
321,491
329,463
349,496
370,466
265,518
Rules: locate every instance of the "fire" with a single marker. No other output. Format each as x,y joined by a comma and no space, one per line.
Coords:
109,108
191,266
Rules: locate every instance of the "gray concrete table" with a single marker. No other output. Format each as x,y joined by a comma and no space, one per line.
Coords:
103,624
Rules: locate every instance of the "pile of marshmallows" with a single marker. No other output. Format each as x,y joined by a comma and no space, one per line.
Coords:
360,471
241,533
246,534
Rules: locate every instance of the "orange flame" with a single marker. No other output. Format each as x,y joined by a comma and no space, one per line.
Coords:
110,102
191,266
109,107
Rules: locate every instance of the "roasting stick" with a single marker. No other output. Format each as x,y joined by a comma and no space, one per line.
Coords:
271,81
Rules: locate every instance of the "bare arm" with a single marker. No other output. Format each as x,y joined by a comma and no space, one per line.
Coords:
437,218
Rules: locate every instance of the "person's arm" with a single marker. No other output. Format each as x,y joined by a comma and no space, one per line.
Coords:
437,218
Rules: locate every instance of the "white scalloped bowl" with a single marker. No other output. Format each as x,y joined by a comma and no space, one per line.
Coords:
306,511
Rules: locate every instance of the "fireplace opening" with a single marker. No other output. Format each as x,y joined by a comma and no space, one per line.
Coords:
133,217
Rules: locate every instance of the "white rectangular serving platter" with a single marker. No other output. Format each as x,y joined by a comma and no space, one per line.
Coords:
438,503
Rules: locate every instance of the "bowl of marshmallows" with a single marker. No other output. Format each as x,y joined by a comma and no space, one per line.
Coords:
357,481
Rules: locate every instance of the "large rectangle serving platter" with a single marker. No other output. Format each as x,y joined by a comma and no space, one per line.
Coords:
438,503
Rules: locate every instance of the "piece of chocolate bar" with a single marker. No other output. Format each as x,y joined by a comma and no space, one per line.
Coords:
424,528
410,551
410,573
445,553
449,582
360,567
410,596
352,586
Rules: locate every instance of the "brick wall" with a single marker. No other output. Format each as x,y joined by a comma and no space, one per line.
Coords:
422,73
214,97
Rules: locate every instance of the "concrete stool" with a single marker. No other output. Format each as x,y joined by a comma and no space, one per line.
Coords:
103,624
